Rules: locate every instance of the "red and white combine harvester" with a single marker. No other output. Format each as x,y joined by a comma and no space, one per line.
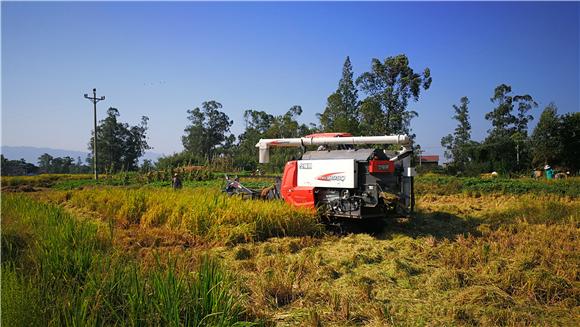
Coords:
342,180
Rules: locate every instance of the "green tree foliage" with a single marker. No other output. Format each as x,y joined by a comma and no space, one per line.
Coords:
525,104
62,165
391,84
285,126
260,124
180,159
79,167
570,136
458,145
341,112
501,117
257,125
16,167
147,166
546,139
45,162
504,121
372,118
507,142
119,145
208,130
556,139
66,165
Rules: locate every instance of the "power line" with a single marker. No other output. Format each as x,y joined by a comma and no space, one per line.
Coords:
94,100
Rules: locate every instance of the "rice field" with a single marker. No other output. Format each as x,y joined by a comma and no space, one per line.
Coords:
477,252
42,179
59,270
204,213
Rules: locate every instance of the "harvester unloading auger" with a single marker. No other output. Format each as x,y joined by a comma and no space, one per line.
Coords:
346,182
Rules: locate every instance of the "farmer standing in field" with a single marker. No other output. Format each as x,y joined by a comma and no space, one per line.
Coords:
549,172
176,182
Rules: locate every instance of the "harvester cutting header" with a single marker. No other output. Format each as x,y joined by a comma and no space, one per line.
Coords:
326,139
342,180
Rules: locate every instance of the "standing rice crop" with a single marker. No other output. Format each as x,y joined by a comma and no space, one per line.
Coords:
60,271
204,212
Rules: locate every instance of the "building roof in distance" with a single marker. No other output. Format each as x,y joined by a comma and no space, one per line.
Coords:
430,158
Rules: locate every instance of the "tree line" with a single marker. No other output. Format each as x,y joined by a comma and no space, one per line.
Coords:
46,164
387,89
119,147
378,102
555,141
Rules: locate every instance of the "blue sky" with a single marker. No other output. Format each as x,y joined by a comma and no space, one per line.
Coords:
160,59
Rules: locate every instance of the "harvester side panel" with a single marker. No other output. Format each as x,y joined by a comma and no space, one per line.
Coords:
337,173
299,196
289,180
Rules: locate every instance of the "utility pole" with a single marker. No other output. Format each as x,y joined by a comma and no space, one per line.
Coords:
94,100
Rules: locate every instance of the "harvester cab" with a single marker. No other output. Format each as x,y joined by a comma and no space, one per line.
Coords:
342,180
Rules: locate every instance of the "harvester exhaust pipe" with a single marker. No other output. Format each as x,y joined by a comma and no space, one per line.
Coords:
264,145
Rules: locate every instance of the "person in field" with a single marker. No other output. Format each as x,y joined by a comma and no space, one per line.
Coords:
176,182
549,172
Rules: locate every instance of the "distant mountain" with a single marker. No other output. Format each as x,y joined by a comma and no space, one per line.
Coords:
31,154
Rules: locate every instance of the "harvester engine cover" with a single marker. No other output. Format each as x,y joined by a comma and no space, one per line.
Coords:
361,183
347,182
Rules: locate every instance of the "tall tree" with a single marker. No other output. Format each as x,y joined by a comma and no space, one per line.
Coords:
570,136
119,145
135,143
501,117
341,112
457,145
260,124
285,126
347,89
259,121
525,104
503,120
45,163
507,145
392,84
208,130
257,124
546,139
372,118
62,165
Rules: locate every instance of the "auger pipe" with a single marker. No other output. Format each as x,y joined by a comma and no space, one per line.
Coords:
265,144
